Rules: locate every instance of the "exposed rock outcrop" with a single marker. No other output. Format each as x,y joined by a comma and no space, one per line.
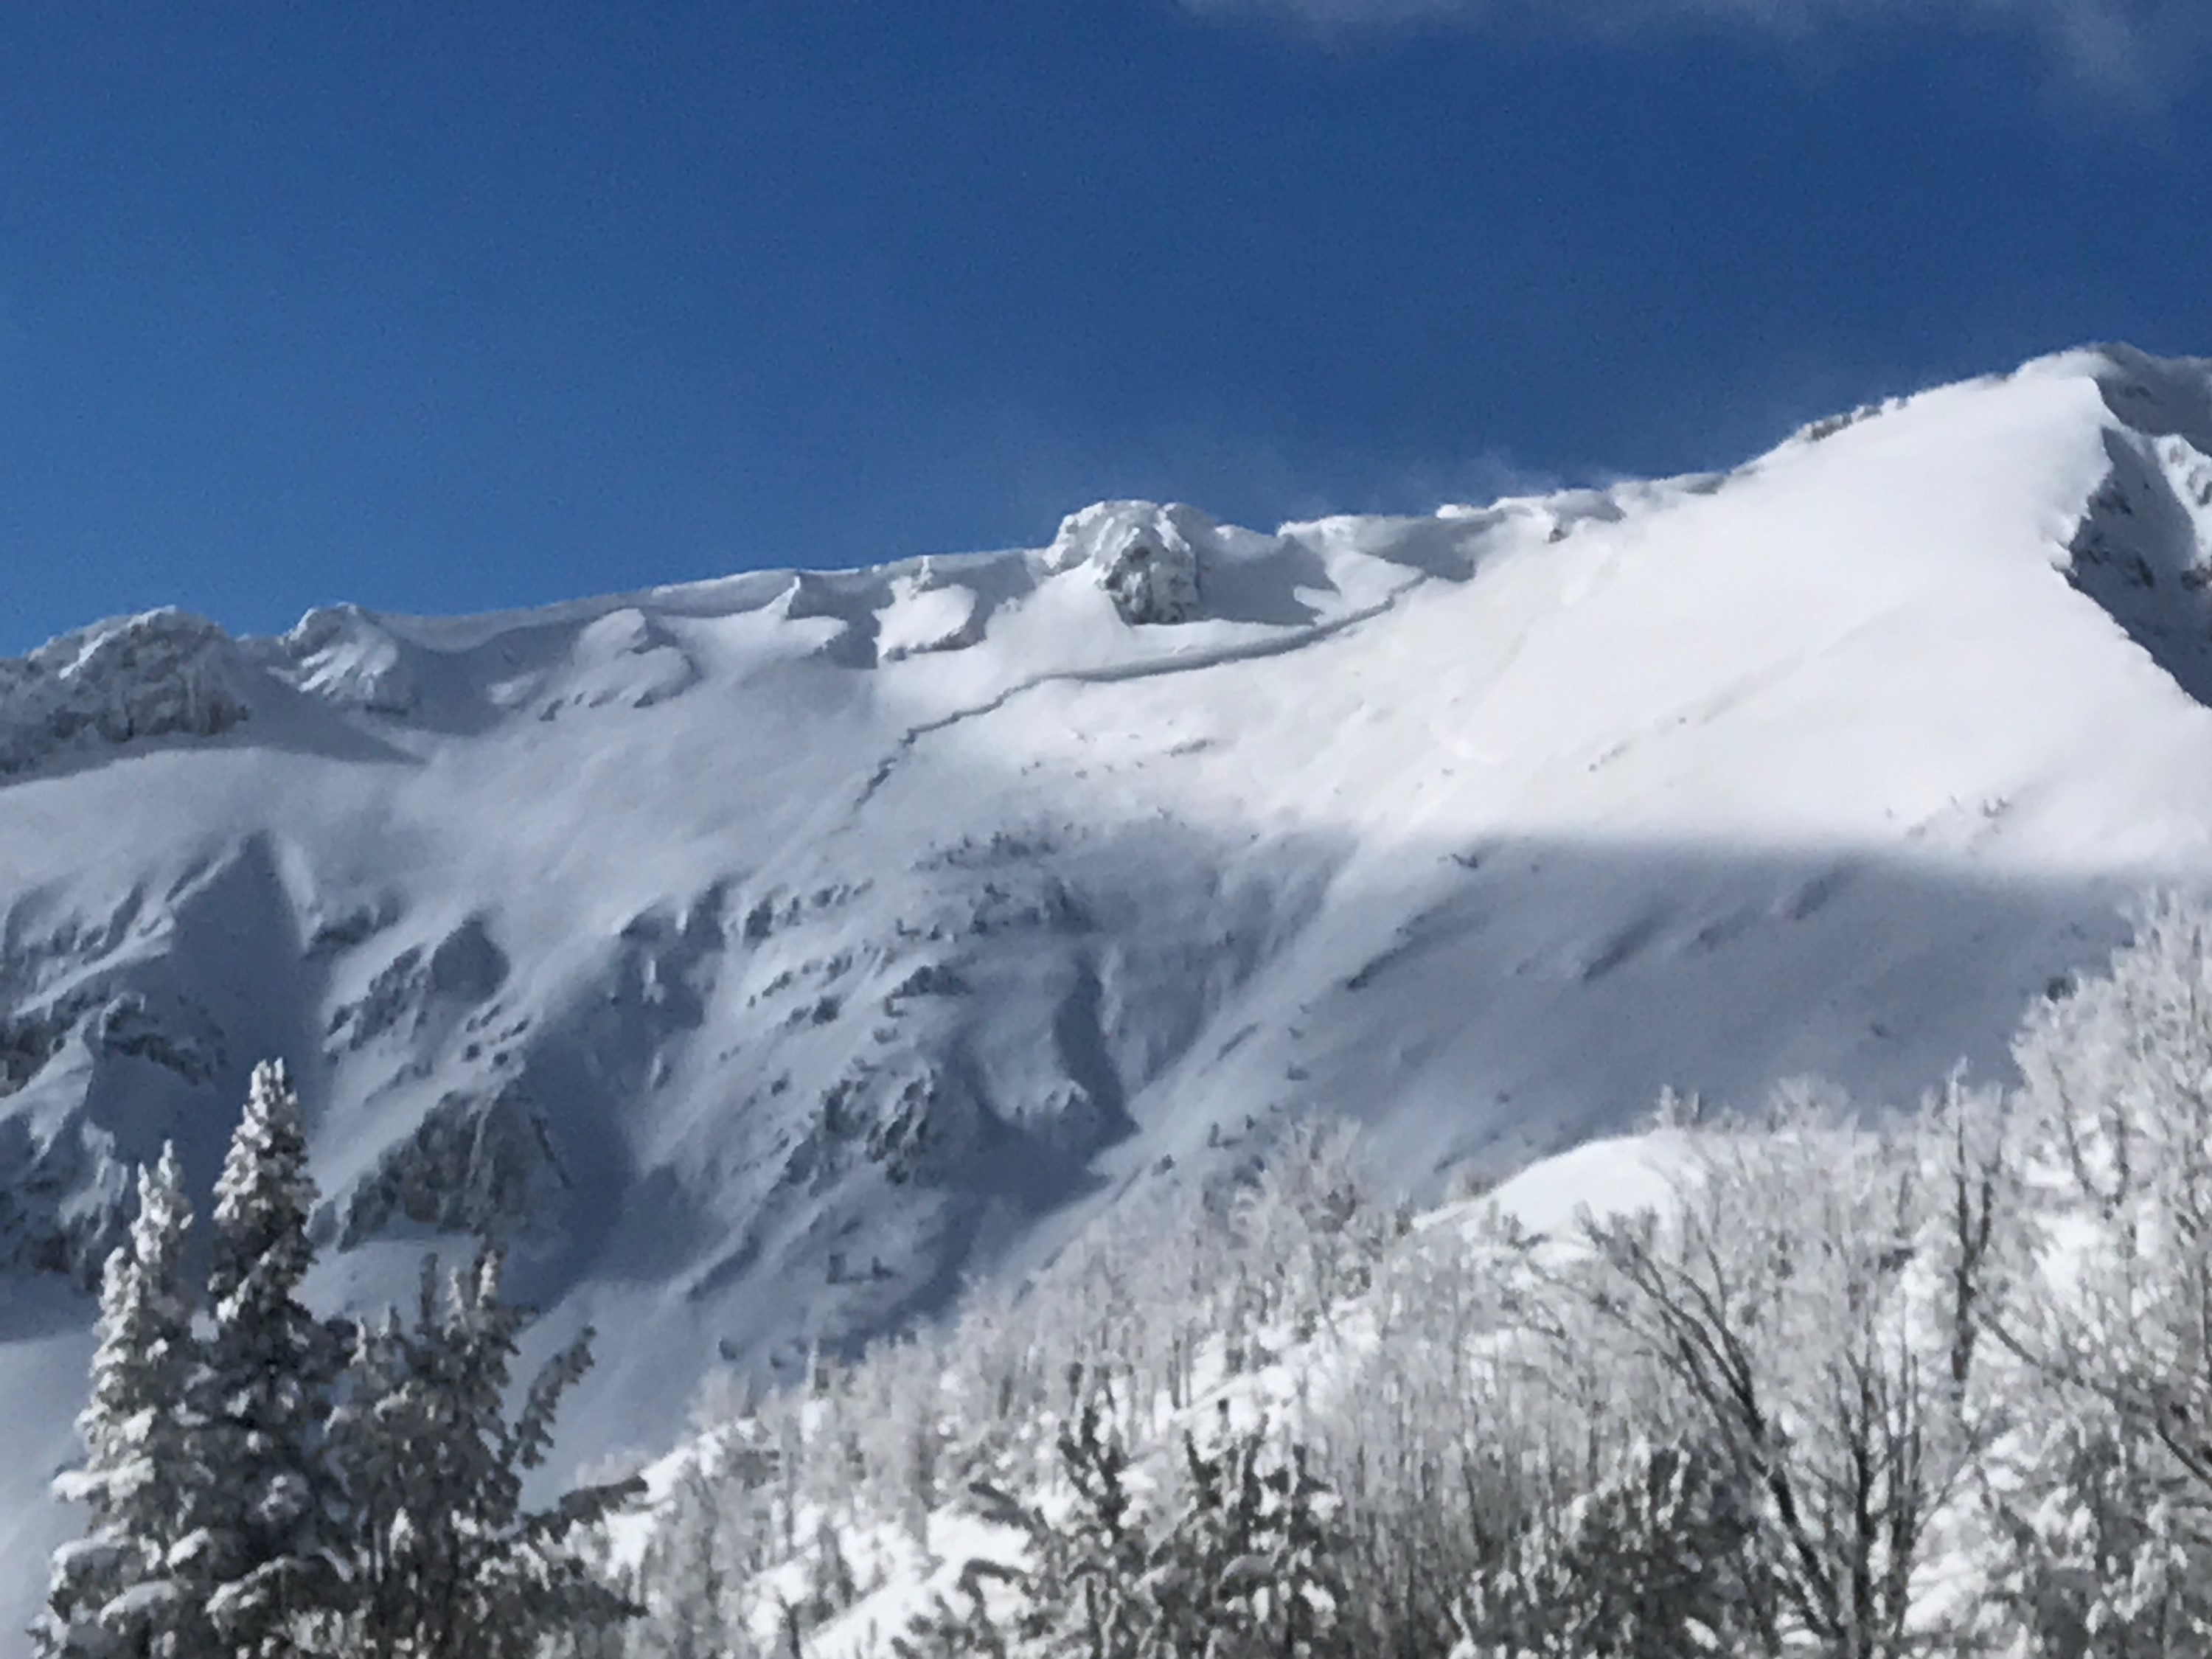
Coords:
165,673
1146,555
345,656
476,1165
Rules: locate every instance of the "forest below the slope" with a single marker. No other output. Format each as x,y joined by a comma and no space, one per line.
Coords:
1862,1379
1853,1378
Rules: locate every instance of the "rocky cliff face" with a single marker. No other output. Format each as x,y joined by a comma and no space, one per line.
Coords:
164,674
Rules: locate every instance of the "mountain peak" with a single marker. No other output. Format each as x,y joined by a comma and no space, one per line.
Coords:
765,956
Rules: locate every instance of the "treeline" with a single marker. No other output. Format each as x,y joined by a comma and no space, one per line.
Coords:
1870,1384
260,1482
1867,1385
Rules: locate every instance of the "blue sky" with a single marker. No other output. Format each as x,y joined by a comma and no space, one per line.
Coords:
444,308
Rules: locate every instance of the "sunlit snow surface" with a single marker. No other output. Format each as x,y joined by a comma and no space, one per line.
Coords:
763,956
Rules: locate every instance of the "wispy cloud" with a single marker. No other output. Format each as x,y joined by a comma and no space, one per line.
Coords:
2130,45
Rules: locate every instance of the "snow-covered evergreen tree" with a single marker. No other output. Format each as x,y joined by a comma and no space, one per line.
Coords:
116,1590
234,1515
267,1549
1251,1564
443,1559
1656,1563
1247,1565
1084,1591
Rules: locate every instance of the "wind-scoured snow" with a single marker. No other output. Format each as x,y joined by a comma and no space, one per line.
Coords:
764,957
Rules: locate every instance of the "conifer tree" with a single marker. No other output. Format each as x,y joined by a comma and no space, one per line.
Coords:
1656,1563
445,1560
1082,1593
267,1552
115,1590
1250,1563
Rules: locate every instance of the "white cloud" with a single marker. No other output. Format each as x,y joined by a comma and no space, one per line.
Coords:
2120,45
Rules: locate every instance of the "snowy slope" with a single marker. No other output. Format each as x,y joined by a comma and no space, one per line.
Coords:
763,956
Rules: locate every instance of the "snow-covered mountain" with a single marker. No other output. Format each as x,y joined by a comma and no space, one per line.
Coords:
763,956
